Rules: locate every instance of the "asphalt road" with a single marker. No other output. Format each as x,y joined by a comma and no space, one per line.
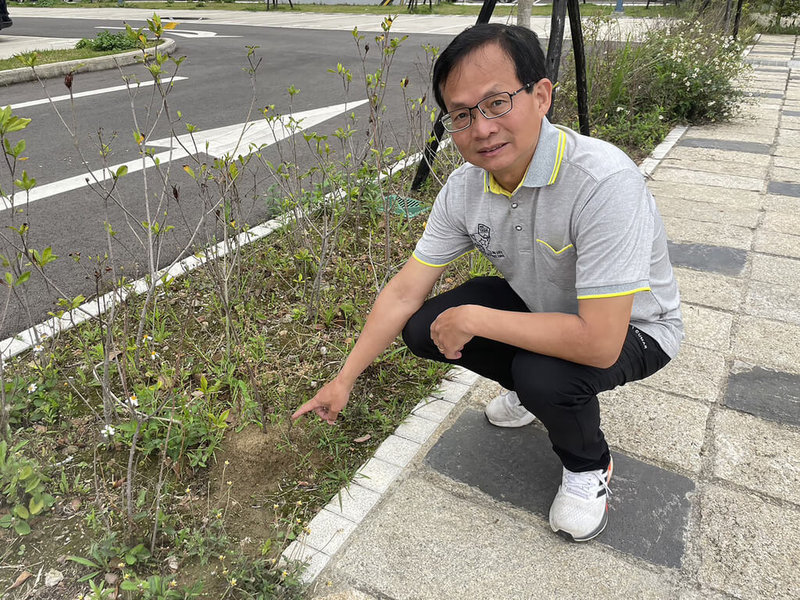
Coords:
216,92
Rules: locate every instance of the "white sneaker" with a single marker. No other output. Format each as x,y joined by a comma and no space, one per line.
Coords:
506,411
580,508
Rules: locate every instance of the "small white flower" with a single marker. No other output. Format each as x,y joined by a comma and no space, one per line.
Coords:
147,338
323,350
153,355
108,431
38,348
133,401
32,388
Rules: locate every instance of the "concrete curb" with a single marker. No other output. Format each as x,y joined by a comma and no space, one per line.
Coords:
100,63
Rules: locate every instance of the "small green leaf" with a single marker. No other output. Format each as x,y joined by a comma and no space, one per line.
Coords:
22,528
21,511
35,506
128,586
83,561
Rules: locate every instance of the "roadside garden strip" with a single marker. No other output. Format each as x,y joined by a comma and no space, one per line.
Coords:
99,63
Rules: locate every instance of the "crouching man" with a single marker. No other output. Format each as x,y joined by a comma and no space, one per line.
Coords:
587,301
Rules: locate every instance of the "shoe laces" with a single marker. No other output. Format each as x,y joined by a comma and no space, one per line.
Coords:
586,485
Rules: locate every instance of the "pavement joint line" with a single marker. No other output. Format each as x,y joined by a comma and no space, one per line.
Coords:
86,65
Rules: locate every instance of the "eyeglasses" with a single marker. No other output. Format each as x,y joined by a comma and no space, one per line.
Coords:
490,107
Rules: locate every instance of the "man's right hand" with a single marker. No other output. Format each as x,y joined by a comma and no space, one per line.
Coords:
328,402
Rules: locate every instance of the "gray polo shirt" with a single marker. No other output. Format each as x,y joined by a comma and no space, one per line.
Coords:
582,224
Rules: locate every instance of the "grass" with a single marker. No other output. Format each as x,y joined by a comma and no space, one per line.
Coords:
443,8
46,57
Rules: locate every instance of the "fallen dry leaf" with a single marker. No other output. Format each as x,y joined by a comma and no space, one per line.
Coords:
23,577
362,439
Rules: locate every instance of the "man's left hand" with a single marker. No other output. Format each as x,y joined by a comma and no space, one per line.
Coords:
450,331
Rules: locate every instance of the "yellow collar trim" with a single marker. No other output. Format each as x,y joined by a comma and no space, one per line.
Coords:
562,143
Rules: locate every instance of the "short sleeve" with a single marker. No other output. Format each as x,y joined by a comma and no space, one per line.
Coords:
614,238
445,237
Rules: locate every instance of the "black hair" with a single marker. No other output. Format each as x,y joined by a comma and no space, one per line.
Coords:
519,43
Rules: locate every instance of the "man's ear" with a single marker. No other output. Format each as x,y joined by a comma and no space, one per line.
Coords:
543,95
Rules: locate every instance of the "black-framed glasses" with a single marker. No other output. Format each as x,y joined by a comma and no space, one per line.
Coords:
490,107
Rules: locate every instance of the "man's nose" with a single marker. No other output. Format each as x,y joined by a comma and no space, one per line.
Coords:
481,124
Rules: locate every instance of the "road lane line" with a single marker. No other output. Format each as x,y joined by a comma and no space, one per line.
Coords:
108,90
241,138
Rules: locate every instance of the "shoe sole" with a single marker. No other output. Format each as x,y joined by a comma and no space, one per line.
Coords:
571,538
521,422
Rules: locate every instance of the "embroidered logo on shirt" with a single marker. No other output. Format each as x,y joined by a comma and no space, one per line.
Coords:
482,238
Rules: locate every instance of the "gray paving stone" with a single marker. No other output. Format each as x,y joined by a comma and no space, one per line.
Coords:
784,188
774,242
353,503
771,344
705,193
718,165
416,429
670,206
431,544
661,427
689,231
780,204
315,560
377,475
706,327
713,179
748,547
397,451
784,163
518,466
710,289
451,391
765,393
718,259
692,152
696,372
785,177
433,409
791,113
784,223
775,269
736,146
774,301
328,531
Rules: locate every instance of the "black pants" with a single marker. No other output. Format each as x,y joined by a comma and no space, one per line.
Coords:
562,394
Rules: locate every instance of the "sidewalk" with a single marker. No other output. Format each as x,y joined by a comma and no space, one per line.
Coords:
704,500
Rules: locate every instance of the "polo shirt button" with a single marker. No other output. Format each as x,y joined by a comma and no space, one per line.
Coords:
518,227
514,205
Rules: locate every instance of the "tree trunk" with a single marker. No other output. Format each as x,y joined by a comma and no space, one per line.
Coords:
524,13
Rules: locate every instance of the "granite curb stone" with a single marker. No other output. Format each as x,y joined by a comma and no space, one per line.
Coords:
100,63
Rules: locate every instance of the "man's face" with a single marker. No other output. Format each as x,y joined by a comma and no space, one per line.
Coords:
505,145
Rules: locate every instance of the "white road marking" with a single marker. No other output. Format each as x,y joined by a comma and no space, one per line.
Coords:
216,142
97,92
187,33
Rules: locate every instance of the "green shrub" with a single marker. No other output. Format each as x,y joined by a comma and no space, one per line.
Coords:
109,41
681,71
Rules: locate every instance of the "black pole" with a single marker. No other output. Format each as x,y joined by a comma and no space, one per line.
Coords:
429,154
580,65
553,60
737,19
